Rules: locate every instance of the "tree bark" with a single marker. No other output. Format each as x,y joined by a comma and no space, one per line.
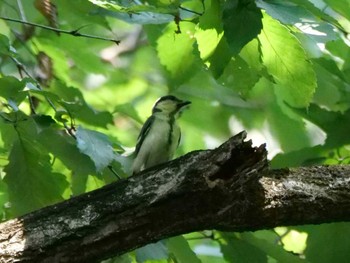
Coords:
229,188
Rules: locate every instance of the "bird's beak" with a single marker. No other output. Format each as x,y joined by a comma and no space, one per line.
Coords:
183,104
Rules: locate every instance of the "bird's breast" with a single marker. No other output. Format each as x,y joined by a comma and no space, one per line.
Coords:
161,142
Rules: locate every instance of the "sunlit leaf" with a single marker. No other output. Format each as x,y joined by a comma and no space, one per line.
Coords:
177,52
209,31
291,70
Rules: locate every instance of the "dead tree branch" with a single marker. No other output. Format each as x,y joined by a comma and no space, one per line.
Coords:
229,188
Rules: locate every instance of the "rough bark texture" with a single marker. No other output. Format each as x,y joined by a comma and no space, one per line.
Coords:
229,188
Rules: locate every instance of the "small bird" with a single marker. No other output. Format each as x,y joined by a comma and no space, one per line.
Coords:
160,135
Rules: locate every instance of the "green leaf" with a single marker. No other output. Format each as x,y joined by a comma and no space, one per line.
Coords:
220,58
238,250
286,12
4,199
275,123
4,44
179,248
64,147
152,13
73,101
30,181
5,47
60,63
11,89
291,70
342,7
242,23
177,52
327,121
209,30
88,58
239,76
263,241
84,15
95,145
331,91
340,49
333,238
154,251
317,11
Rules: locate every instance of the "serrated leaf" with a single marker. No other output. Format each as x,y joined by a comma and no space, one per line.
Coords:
180,249
286,61
30,181
177,52
242,23
95,145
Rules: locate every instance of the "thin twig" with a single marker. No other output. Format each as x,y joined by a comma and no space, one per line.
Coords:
75,32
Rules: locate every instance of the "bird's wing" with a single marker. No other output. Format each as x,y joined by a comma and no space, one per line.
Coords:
178,142
144,131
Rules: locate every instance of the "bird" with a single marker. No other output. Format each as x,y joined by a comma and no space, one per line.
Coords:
160,135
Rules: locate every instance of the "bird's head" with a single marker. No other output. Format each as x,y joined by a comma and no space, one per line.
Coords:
169,105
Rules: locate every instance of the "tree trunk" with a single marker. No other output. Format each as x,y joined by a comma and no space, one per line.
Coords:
229,188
